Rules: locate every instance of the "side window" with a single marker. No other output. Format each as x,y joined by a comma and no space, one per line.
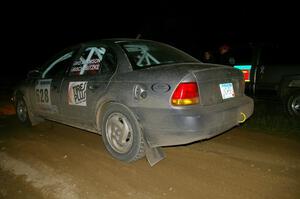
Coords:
58,67
109,62
93,61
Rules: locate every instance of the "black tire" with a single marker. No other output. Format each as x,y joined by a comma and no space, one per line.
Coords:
121,133
22,112
293,104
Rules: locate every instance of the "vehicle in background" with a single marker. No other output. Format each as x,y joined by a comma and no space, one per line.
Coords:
272,72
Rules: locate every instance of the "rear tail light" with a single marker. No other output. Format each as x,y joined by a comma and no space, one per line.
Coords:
185,94
246,69
246,75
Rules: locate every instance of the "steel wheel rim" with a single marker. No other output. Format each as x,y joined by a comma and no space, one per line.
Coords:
119,133
296,105
22,111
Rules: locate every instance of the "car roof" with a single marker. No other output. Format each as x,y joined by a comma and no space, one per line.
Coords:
125,40
117,40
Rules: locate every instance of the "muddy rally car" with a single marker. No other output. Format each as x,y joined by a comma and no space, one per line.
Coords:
138,94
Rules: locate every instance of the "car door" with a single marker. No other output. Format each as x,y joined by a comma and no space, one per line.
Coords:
47,88
268,72
86,83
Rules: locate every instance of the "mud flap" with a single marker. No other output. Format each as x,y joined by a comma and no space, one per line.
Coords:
154,154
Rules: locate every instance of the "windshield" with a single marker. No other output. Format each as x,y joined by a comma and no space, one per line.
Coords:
144,54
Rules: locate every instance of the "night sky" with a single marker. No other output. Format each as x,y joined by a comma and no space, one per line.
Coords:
33,33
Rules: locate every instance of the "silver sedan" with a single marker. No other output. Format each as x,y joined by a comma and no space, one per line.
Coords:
138,94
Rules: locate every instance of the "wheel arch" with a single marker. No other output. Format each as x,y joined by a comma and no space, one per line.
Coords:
18,94
285,88
101,105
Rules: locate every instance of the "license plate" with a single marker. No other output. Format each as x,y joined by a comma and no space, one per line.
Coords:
226,90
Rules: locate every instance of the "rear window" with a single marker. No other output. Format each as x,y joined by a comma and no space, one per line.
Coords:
144,54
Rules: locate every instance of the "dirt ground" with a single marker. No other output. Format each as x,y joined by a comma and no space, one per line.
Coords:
57,161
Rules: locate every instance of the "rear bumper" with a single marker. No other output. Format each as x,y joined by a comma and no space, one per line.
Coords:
165,127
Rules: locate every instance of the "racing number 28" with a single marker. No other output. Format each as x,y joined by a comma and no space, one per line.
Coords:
42,95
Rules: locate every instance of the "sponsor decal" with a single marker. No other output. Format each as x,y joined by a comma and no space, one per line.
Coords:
92,64
42,91
77,93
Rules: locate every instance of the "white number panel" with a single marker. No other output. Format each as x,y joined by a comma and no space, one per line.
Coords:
42,91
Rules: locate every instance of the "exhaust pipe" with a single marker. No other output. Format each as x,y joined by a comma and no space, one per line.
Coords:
243,118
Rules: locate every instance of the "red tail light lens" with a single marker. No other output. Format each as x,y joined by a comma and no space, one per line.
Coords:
186,94
246,75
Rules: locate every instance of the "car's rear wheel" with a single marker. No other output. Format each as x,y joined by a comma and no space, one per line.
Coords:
293,104
122,134
22,112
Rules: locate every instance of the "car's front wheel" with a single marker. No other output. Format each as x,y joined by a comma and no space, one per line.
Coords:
122,134
22,112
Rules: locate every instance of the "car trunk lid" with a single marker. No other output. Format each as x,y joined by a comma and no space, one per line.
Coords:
218,84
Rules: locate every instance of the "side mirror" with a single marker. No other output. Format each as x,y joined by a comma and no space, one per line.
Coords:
34,74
